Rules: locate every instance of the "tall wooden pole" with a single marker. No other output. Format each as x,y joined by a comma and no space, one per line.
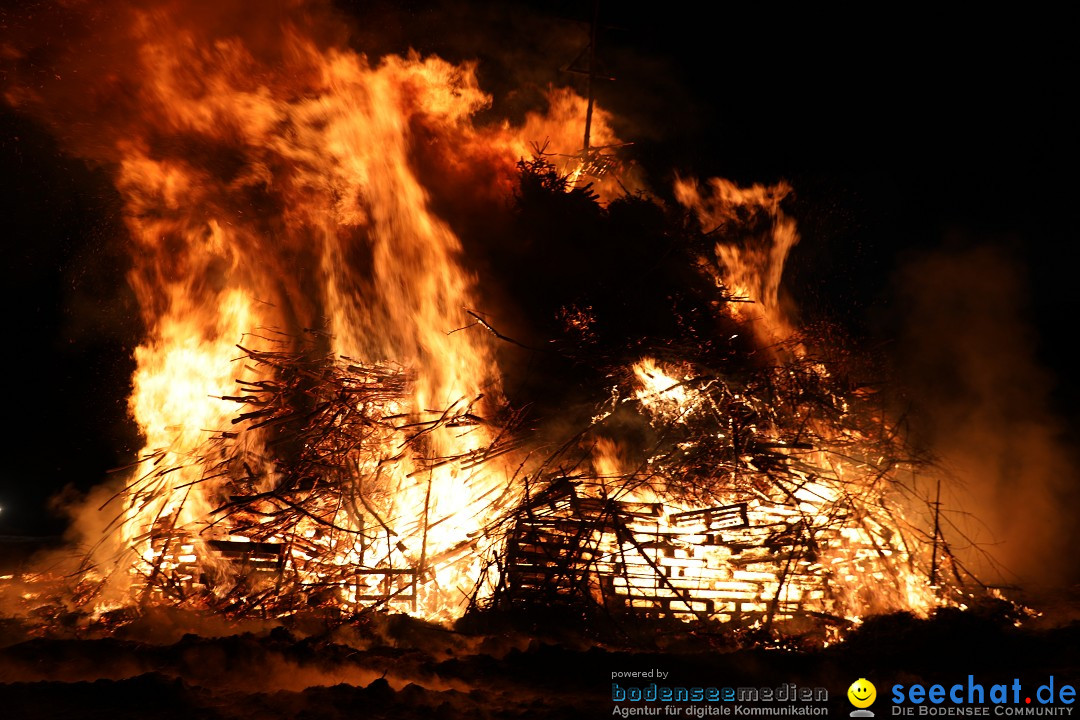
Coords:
937,534
592,71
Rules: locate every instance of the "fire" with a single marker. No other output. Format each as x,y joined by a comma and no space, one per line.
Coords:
765,546
289,259
751,267
761,501
660,393
265,198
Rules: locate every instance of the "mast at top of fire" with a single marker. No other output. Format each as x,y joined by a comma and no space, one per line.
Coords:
594,162
592,73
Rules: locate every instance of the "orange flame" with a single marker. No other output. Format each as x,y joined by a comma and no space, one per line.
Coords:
751,268
274,185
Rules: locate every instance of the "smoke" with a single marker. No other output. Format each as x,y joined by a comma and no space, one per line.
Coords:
968,356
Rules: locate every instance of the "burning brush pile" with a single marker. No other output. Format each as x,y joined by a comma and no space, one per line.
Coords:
742,480
339,417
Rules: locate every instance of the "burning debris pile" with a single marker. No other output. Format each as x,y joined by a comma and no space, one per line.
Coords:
723,472
758,500
310,501
737,482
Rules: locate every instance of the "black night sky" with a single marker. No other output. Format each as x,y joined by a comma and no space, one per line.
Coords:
904,133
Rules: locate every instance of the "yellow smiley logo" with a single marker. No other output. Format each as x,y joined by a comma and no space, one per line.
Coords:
862,693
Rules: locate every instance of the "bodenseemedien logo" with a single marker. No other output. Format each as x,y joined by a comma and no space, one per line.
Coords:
862,694
655,699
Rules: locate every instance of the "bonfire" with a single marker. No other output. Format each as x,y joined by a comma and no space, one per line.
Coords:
322,383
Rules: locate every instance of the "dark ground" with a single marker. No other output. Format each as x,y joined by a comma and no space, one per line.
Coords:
395,667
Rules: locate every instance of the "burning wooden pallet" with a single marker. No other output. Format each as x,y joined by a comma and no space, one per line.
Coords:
733,516
744,564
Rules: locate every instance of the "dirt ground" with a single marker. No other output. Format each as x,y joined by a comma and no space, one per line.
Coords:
168,664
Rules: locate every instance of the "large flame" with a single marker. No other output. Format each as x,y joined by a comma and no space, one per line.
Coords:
268,192
752,267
